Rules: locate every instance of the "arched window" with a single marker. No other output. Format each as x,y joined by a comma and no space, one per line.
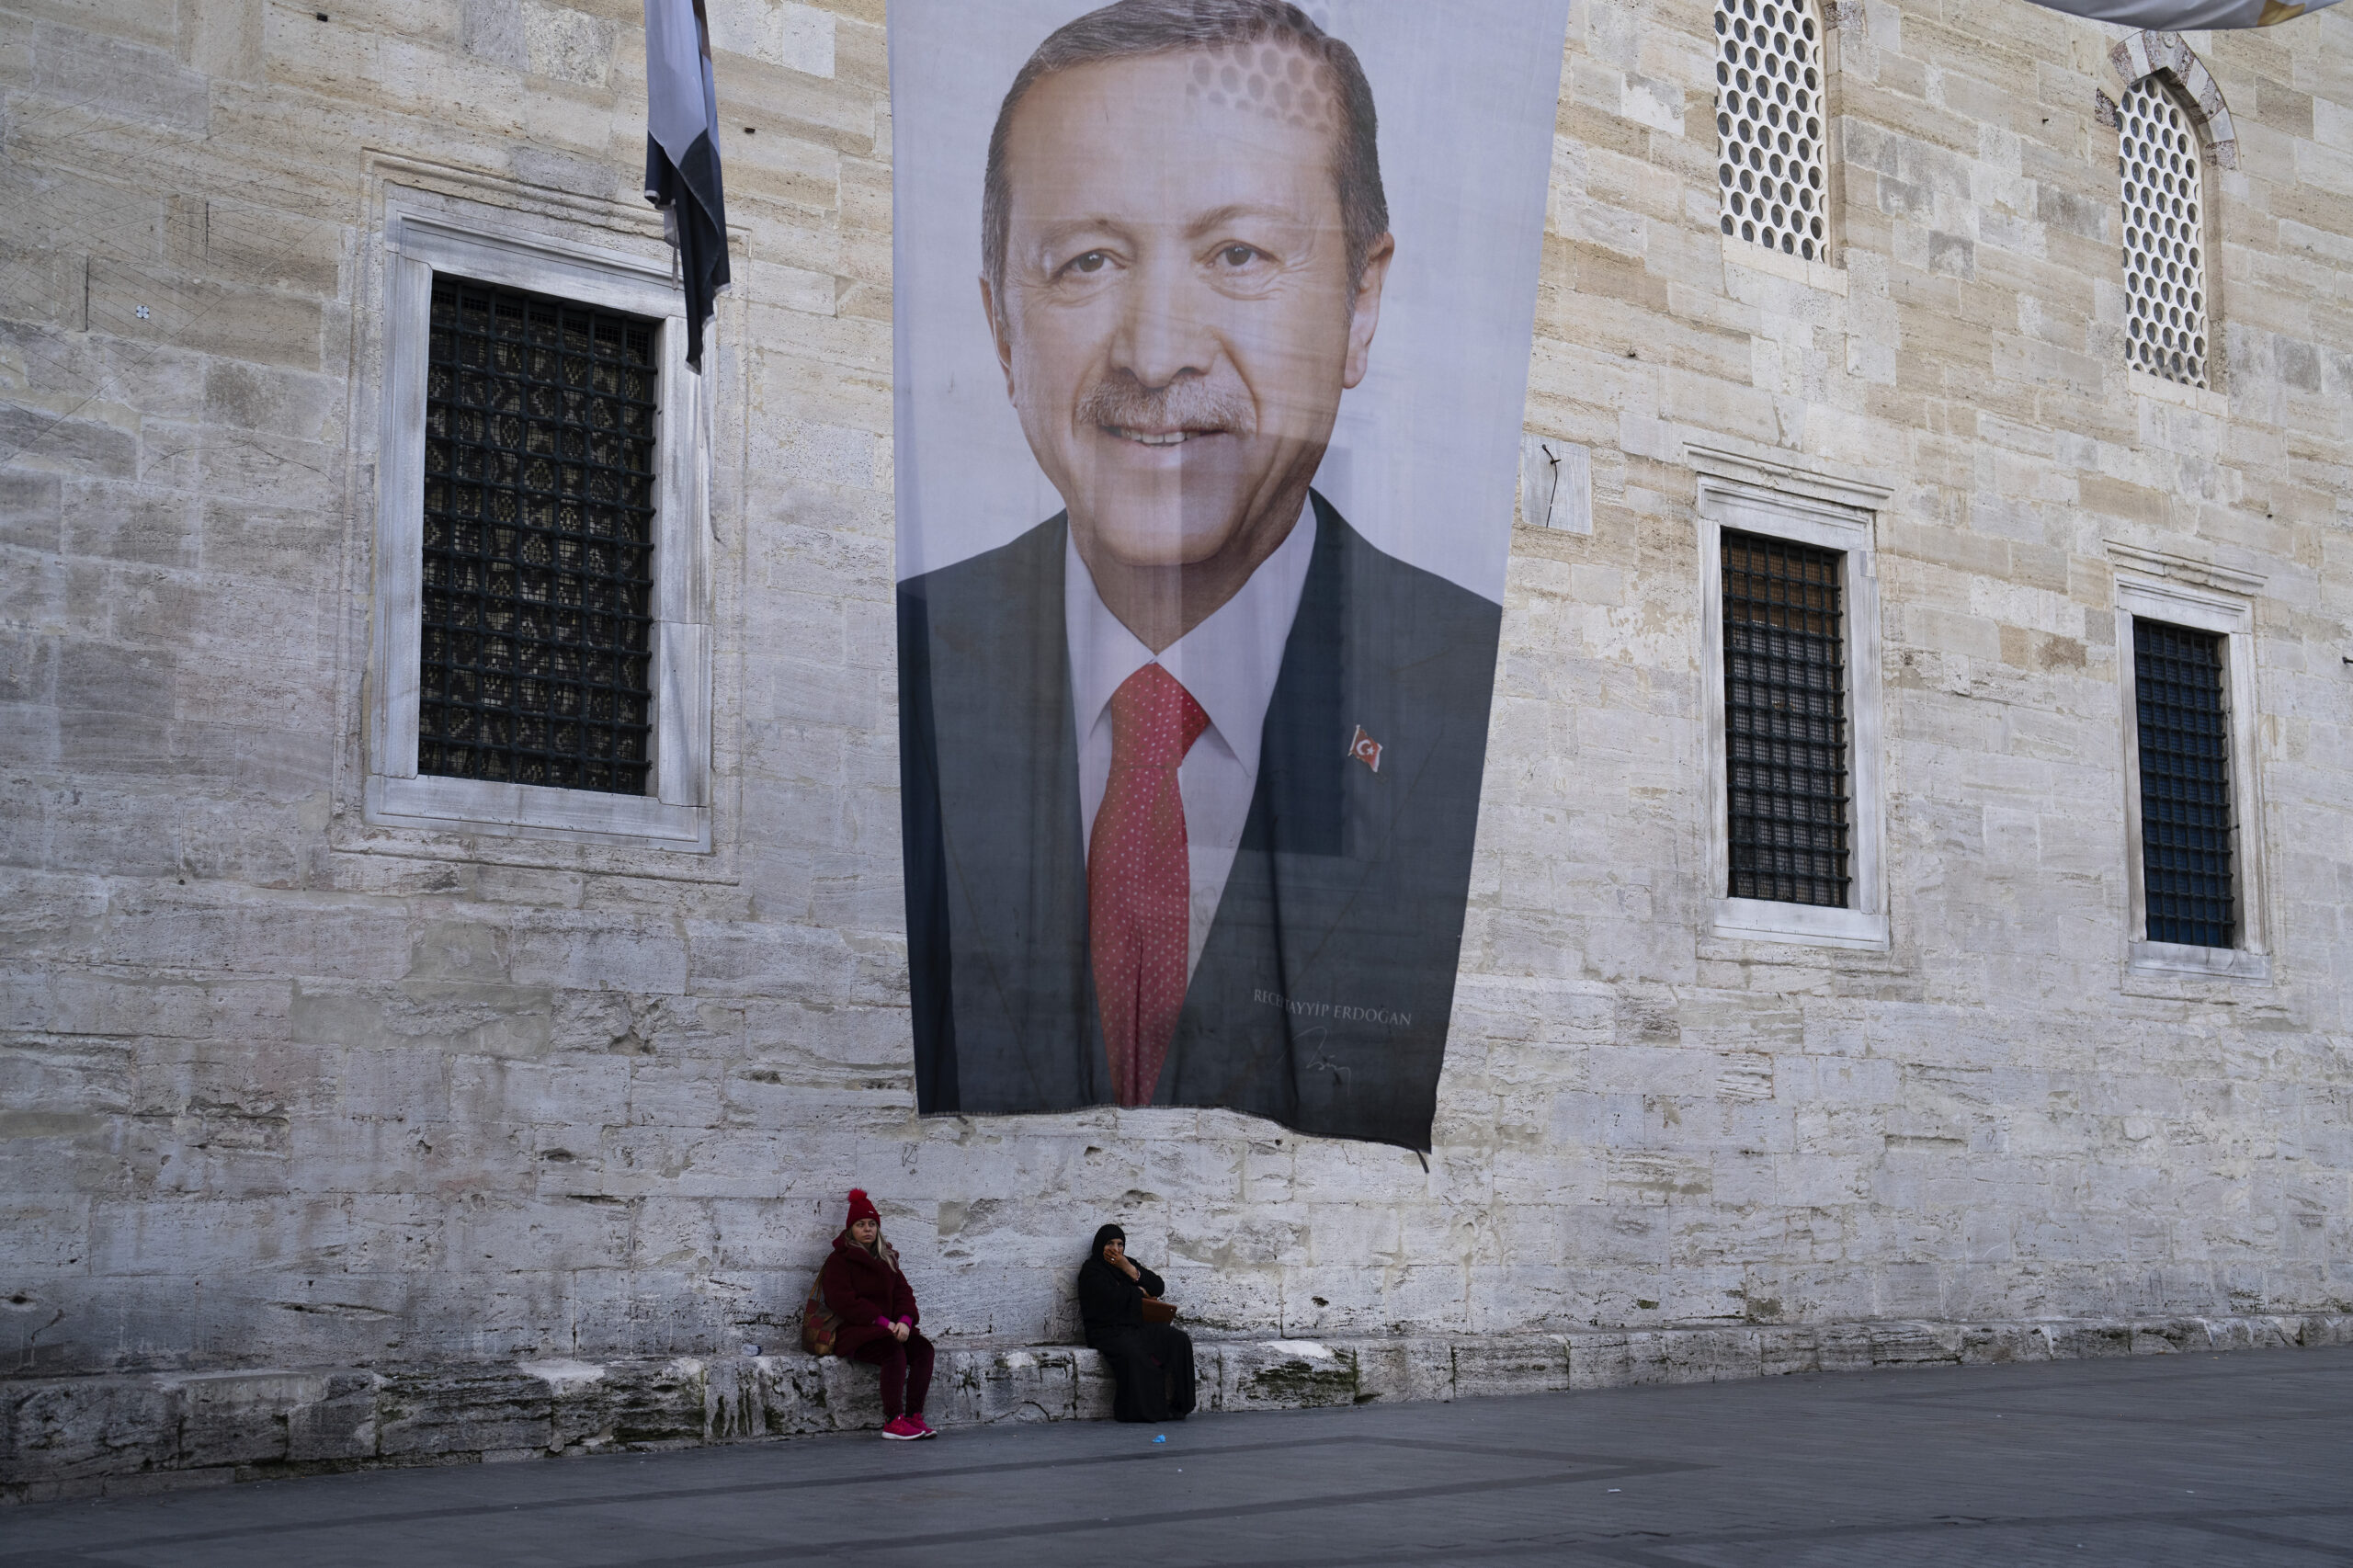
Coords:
1769,126
2161,167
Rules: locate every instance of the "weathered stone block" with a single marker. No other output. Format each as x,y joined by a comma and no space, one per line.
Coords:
1286,1374
241,1417
793,1396
1015,1385
464,1410
1715,1355
1399,1370
2321,1329
339,1423
1783,1350
852,1394
85,1429
735,1402
1993,1344
142,83
62,442
658,1402
2080,1342
191,310
1483,1367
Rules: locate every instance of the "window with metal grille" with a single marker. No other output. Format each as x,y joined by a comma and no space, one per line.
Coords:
2185,784
2165,241
540,423
1785,721
1768,125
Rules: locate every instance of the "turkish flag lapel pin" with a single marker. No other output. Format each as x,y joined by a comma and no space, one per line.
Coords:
1365,749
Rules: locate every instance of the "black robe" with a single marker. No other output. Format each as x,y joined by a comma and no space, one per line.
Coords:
1151,1363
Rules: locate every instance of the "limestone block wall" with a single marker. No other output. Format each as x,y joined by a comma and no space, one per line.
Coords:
281,1087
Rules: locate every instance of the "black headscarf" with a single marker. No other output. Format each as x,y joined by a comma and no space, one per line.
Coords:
1108,1300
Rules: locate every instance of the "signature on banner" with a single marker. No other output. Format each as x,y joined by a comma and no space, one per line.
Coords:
1336,1011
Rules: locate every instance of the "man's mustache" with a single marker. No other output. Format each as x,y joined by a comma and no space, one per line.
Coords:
1191,404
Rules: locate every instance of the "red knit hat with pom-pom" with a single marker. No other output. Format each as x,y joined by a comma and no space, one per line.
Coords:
861,1207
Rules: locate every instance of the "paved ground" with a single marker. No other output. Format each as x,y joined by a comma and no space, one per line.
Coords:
2243,1459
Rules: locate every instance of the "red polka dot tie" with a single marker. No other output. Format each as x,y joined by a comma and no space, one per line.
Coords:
1139,880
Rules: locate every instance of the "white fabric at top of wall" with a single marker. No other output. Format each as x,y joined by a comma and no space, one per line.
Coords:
1424,460
2175,15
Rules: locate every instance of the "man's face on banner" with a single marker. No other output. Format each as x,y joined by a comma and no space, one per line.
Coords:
1178,321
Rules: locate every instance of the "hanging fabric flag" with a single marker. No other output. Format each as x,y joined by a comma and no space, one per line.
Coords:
682,154
2187,15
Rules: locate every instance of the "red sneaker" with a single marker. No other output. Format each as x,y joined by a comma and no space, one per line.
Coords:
899,1429
925,1427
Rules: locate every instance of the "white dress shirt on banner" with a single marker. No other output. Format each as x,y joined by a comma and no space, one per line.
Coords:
1230,663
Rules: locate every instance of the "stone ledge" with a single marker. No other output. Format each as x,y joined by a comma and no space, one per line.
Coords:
111,1435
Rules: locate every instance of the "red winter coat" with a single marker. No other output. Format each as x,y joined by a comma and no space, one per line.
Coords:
867,1292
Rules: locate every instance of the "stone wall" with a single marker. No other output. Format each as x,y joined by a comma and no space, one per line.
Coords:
283,1088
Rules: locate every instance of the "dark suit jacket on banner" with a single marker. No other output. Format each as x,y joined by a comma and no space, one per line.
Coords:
1322,998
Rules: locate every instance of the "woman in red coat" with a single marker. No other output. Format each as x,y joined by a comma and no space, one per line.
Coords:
864,1288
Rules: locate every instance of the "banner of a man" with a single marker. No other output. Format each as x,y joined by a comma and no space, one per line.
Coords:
1206,460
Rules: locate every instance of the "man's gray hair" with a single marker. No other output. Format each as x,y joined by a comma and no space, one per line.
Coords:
1128,28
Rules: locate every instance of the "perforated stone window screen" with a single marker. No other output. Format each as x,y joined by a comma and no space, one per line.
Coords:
1768,125
2165,242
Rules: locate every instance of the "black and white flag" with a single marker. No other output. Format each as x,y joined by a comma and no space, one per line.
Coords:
682,154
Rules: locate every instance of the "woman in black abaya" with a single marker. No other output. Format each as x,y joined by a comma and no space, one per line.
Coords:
1151,1363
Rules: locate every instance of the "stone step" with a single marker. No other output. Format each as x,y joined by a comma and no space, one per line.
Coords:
113,1434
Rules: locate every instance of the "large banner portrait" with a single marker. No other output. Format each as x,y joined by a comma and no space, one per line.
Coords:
1212,325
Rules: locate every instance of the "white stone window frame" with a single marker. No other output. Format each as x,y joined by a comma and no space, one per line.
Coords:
2215,605
676,811
1781,502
